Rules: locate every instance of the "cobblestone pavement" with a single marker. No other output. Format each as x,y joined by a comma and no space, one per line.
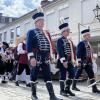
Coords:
11,92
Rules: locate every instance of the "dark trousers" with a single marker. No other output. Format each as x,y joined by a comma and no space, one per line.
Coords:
21,68
14,72
9,66
88,69
63,72
2,67
45,71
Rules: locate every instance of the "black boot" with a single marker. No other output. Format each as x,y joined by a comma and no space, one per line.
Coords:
94,87
33,88
17,80
62,89
74,86
4,80
67,88
51,91
28,85
17,83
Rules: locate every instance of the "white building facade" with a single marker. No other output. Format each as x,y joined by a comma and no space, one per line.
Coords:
78,13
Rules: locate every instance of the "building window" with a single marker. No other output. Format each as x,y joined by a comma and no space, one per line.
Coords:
2,19
51,17
18,32
12,35
5,36
10,19
0,37
27,27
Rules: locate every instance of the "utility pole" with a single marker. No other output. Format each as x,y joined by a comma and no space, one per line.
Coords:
79,32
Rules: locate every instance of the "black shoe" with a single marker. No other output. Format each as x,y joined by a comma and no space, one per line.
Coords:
4,82
75,88
10,79
34,97
63,93
96,91
67,88
33,88
69,92
16,83
54,98
28,85
62,87
51,91
94,87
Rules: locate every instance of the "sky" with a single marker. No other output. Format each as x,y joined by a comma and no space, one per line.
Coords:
17,8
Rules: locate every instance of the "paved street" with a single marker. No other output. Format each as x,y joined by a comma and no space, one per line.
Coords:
11,92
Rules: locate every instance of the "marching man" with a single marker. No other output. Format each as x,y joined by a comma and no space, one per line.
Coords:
66,59
38,47
84,56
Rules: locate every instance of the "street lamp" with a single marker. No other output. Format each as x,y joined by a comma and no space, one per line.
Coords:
97,12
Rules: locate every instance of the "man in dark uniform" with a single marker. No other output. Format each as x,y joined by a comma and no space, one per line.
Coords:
38,47
66,60
84,57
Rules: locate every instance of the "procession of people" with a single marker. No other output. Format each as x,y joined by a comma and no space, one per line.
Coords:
35,53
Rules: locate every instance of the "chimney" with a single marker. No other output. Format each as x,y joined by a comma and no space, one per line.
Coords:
44,2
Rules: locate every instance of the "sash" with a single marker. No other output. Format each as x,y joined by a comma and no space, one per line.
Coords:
72,52
47,34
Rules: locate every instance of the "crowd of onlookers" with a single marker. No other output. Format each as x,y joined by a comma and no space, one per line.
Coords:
7,61
14,61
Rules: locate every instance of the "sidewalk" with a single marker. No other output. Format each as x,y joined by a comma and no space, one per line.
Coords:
11,92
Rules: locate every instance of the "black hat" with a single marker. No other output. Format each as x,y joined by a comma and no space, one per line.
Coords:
38,15
63,25
83,32
6,44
